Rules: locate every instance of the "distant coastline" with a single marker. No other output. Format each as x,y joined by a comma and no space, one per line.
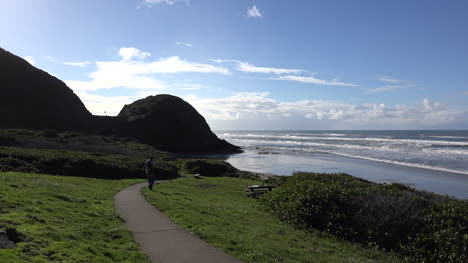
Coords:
433,162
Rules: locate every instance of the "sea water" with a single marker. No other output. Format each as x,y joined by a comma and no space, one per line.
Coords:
429,160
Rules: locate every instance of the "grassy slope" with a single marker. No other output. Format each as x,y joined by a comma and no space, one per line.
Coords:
216,210
79,141
66,219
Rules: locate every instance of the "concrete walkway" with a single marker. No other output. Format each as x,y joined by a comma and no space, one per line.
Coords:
159,238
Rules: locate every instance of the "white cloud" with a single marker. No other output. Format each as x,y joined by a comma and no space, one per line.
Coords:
246,67
131,53
185,44
259,109
254,12
222,60
76,64
150,3
386,88
392,84
30,60
192,86
388,79
138,74
155,2
131,73
317,81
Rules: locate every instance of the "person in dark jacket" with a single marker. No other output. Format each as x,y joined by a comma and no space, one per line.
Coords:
149,171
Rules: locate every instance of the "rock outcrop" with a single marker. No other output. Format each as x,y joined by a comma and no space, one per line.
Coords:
31,98
171,124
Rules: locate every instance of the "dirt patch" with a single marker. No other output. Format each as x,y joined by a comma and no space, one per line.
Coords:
5,242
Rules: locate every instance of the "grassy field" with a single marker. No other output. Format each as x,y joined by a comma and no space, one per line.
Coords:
63,219
217,210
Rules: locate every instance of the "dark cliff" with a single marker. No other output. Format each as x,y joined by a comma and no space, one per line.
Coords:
31,98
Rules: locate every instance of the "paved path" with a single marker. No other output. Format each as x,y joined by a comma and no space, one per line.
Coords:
159,238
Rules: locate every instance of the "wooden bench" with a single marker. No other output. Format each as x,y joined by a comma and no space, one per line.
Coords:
253,190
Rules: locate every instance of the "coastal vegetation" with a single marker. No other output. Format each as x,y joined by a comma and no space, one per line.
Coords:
217,210
69,163
87,155
57,189
46,218
307,218
422,226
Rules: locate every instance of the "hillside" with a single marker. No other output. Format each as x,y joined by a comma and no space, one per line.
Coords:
171,124
32,98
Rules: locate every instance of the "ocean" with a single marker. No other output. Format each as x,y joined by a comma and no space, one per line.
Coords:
436,161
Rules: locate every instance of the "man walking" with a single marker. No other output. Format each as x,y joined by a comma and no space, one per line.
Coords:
149,170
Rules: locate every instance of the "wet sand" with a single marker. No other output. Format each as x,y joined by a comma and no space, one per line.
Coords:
440,182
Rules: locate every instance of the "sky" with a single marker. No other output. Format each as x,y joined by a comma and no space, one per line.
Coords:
257,64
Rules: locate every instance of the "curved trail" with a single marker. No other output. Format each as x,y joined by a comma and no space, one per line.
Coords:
159,238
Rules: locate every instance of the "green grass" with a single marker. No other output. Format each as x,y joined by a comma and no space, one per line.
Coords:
217,210
64,219
80,141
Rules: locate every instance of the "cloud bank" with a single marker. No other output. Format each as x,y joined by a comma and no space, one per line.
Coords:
142,77
259,111
132,73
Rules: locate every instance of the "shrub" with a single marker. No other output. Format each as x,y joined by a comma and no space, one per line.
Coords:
276,180
426,226
82,164
8,141
16,165
212,168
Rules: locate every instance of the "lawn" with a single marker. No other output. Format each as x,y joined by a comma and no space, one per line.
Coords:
64,219
217,210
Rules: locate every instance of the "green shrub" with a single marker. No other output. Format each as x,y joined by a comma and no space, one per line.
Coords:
276,180
68,163
16,165
427,227
212,168
8,141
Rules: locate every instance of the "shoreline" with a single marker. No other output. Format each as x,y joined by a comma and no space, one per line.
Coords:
267,165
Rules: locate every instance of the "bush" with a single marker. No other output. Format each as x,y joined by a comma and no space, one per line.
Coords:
276,180
428,227
8,141
213,168
16,165
82,164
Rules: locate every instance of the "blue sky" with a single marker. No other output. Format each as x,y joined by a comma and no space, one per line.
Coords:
257,64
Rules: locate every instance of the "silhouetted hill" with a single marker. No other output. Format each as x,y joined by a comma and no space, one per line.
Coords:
31,98
171,124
